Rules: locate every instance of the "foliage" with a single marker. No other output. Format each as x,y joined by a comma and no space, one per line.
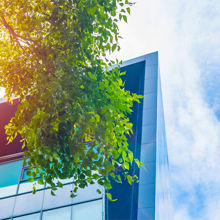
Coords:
73,111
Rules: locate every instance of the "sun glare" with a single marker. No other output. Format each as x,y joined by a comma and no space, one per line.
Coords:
2,92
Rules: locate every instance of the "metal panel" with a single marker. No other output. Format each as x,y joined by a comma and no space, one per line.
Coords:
146,192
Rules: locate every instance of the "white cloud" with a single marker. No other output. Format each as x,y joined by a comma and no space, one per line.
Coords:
186,34
181,214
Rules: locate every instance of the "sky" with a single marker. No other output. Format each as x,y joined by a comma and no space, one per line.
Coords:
186,33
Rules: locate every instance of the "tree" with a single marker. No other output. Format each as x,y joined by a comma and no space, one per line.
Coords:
73,111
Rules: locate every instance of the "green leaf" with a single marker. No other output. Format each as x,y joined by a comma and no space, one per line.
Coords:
119,179
99,191
137,162
34,190
59,184
52,193
130,179
40,181
75,189
114,47
124,155
72,195
108,185
109,196
96,176
126,165
28,173
92,10
125,18
130,156
30,179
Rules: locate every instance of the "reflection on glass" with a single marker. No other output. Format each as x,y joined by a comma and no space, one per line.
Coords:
58,214
10,173
29,217
89,210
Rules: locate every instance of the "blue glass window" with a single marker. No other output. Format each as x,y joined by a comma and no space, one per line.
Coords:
9,177
57,214
29,217
6,207
28,203
89,210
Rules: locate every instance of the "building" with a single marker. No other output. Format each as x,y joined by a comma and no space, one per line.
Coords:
147,200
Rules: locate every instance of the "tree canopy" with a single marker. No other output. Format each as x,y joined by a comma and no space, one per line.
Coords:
73,111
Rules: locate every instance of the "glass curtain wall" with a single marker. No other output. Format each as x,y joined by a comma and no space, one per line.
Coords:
18,202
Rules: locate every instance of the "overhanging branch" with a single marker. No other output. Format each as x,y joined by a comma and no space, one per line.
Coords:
17,36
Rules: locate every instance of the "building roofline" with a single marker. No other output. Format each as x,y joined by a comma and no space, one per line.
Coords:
133,60
137,59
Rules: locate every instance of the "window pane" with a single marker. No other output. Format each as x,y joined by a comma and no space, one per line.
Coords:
10,173
6,207
61,198
58,214
90,210
88,193
8,190
29,217
28,203
28,186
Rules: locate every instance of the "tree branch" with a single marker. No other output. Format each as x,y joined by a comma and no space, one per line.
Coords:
16,36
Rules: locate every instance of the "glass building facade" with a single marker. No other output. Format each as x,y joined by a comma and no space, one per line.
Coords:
147,200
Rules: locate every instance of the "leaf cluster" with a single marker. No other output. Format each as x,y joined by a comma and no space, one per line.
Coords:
73,111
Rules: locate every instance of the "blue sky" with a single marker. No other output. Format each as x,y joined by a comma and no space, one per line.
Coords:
187,35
